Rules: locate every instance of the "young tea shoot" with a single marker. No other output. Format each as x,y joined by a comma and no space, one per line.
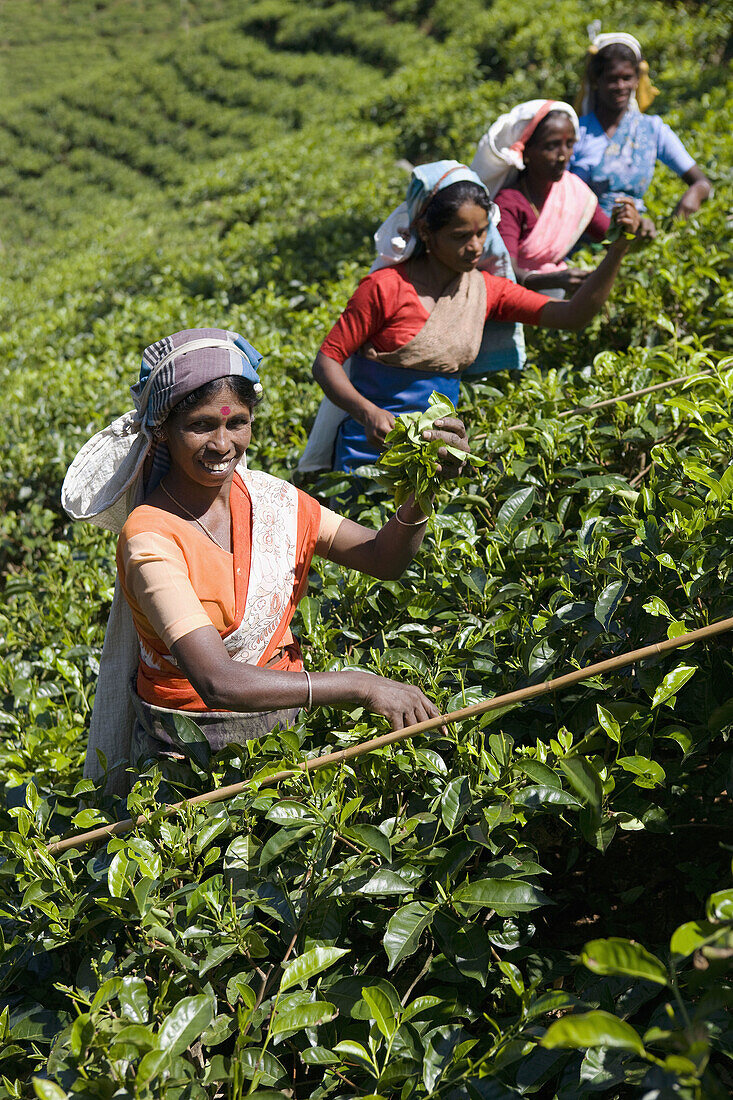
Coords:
410,463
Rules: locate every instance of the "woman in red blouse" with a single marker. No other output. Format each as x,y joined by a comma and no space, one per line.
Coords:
413,326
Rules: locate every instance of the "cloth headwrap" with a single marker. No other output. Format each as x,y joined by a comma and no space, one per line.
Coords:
176,365
645,90
397,238
500,154
104,482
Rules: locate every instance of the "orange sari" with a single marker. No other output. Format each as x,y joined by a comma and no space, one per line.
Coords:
250,596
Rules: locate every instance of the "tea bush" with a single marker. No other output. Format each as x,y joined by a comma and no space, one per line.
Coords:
536,902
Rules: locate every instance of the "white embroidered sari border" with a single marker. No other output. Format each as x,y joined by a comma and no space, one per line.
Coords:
273,562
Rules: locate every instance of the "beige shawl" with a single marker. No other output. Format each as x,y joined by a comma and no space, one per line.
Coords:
450,339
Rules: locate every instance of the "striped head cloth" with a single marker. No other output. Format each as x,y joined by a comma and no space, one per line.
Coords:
176,365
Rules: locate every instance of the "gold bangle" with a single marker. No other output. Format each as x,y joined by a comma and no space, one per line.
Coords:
309,701
414,523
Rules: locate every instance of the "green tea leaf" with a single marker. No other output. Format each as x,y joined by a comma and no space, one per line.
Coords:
592,1029
688,937
720,905
608,601
185,1022
619,956
371,837
584,779
672,682
303,1016
515,508
319,1056
309,964
266,1066
134,1000
47,1090
648,773
505,895
381,1010
404,929
609,723
455,802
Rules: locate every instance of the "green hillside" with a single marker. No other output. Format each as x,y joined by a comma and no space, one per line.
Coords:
175,163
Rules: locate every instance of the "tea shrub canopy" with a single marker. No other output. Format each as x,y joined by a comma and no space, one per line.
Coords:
537,902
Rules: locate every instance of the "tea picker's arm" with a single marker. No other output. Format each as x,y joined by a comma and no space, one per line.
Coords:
332,378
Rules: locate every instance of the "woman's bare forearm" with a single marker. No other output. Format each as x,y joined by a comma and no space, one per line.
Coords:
699,190
536,280
335,383
224,684
385,553
228,685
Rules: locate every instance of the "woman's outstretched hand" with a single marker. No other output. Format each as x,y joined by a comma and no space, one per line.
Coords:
699,189
401,704
451,431
571,278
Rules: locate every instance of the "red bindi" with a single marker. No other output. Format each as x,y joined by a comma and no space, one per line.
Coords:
225,410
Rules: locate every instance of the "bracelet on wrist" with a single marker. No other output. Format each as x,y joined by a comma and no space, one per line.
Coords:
309,700
413,523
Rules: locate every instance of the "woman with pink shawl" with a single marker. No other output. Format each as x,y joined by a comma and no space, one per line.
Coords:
523,160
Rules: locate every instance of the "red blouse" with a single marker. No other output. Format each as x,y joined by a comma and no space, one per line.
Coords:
385,310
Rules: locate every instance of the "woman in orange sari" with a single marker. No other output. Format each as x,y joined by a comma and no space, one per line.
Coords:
215,557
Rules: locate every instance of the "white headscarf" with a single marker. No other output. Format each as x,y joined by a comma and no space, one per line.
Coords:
617,38
396,239
500,155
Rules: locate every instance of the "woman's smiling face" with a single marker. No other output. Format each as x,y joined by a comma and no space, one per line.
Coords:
207,442
548,154
616,84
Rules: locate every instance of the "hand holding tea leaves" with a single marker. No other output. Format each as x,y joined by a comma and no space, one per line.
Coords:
627,224
424,449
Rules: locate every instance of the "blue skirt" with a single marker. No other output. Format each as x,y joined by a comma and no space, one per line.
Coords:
396,389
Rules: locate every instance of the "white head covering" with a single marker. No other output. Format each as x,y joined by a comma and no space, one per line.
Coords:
500,155
617,38
397,238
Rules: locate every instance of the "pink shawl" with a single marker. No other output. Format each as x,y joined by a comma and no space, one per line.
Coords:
567,210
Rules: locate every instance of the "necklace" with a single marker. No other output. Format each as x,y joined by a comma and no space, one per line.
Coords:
188,512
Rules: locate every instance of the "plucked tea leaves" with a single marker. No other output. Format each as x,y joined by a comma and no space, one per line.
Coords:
410,463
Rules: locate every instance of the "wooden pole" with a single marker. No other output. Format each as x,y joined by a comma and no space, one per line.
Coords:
631,395
341,755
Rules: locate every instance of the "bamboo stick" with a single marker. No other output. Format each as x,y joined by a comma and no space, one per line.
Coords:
627,397
631,394
341,755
